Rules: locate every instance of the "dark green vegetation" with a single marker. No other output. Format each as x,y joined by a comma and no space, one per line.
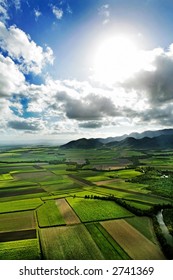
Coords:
168,218
40,187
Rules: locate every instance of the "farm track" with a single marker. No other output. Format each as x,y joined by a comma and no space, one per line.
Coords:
137,246
67,212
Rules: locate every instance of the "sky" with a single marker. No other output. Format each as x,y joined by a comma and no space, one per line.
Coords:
81,68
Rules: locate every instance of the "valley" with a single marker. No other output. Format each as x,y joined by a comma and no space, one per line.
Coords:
84,202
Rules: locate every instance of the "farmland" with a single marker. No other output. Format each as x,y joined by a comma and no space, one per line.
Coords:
76,204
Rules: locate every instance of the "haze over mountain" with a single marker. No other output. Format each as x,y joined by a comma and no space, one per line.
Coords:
136,135
161,139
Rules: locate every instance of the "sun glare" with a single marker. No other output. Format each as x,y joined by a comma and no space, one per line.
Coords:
116,59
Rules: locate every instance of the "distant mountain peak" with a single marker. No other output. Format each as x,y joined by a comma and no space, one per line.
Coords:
159,139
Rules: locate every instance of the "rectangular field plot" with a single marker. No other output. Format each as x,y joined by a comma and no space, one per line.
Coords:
67,212
137,246
16,184
21,191
36,176
20,250
18,235
17,221
19,205
69,243
97,210
49,215
109,248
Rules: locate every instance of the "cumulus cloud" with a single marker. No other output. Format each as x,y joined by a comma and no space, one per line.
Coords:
90,125
20,47
156,85
3,10
11,79
91,107
26,124
162,115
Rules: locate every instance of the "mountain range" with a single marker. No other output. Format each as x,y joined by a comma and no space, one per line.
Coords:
160,139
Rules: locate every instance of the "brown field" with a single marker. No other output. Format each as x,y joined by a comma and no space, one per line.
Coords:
18,235
33,175
107,181
137,246
67,212
109,167
21,192
17,221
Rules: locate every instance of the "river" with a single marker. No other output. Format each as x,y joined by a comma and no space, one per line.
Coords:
164,229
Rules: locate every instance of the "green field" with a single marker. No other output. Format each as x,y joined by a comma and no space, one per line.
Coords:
97,210
49,215
20,205
20,250
32,178
69,243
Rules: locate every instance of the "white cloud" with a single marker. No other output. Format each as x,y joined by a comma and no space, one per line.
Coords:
37,14
11,79
17,4
20,47
104,12
3,10
68,9
57,12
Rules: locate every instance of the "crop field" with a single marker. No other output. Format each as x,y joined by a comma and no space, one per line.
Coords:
96,210
6,176
76,240
109,247
49,215
83,204
17,221
132,241
20,205
67,212
20,250
143,225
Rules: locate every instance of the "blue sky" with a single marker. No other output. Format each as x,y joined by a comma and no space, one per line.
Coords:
84,68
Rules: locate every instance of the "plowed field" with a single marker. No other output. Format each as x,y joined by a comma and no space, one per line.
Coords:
67,212
137,246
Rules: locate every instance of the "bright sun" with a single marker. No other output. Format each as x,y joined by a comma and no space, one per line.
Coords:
116,59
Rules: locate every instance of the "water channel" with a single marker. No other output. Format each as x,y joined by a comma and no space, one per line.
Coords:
164,229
